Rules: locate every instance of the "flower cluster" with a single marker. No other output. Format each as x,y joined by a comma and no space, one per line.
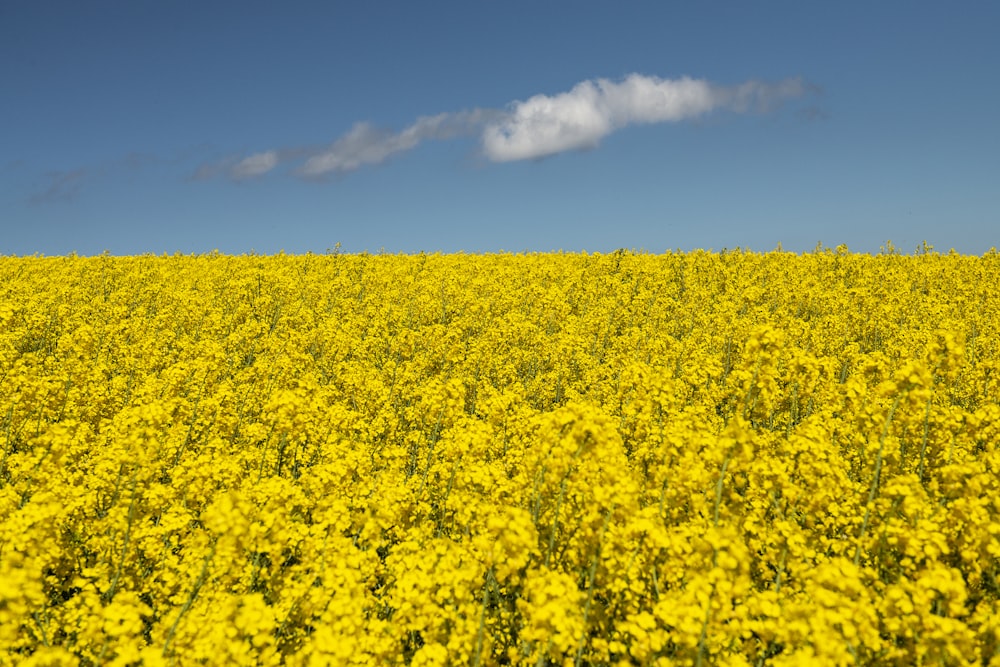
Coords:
574,459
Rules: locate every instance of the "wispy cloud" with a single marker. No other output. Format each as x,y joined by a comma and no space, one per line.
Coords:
365,144
255,165
60,186
66,185
538,127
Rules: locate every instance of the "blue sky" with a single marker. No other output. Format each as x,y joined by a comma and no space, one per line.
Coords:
187,126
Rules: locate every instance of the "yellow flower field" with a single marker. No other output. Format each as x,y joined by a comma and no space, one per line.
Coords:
545,459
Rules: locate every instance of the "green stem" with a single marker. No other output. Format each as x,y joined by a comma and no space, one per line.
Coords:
700,658
555,520
591,574
199,582
781,569
718,491
875,480
128,535
482,619
923,445
544,655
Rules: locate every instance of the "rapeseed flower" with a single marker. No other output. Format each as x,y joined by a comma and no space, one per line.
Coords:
575,459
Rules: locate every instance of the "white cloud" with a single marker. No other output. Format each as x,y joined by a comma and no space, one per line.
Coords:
544,125
365,144
534,128
254,165
759,96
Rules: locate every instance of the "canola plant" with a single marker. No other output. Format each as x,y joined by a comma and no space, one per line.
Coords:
697,458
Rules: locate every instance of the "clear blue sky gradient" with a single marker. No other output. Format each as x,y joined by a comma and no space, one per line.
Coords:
119,121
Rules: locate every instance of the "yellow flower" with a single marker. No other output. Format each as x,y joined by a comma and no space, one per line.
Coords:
726,458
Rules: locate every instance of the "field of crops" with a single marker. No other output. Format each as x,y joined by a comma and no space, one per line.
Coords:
544,459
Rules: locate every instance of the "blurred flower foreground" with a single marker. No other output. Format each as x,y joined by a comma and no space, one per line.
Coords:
544,459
